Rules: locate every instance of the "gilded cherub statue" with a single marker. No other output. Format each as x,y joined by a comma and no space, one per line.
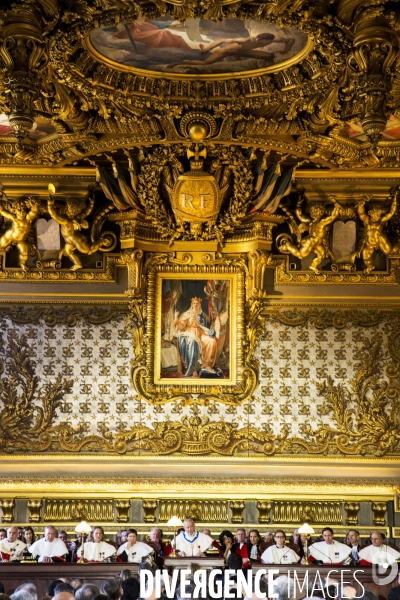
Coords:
374,222
72,221
21,214
318,225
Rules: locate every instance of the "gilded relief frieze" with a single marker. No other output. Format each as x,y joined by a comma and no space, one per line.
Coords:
79,510
200,510
311,512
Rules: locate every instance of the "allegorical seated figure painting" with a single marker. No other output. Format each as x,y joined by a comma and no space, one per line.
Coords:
197,45
195,329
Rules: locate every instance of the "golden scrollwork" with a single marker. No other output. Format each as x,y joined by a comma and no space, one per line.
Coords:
237,507
310,512
379,513
79,510
207,511
352,509
149,509
7,506
264,511
35,507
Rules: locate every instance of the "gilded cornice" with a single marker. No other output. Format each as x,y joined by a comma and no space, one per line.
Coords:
247,486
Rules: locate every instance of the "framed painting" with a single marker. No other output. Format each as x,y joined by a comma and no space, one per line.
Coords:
194,346
195,338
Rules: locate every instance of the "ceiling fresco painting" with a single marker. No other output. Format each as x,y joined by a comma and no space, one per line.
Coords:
198,46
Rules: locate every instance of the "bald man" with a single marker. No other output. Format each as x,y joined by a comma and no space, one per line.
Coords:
378,553
64,596
12,549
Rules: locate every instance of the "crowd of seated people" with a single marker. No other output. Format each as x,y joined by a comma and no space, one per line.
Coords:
271,548
126,586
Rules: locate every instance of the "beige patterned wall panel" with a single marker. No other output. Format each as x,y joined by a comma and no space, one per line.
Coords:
329,385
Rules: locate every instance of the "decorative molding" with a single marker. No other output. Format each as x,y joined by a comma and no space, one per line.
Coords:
207,511
351,509
35,507
310,512
379,512
79,510
7,507
237,507
149,509
264,511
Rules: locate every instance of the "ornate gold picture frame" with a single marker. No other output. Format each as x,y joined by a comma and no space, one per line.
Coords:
195,346
195,336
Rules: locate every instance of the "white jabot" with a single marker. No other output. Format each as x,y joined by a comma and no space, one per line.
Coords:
334,553
14,549
97,551
44,548
192,545
379,556
136,552
277,556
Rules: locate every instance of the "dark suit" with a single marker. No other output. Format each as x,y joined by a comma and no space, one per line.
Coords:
394,593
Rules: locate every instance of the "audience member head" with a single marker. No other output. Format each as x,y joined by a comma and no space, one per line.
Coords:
369,595
123,536
87,592
240,535
296,536
2,590
64,596
21,595
125,574
131,536
156,534
29,535
268,536
347,592
50,533
189,526
111,588
284,587
63,536
327,535
64,587
254,537
4,596
12,534
225,537
3,534
235,562
207,532
280,538
52,586
27,587
20,533
147,566
377,538
131,589
97,534
187,592
76,583
353,537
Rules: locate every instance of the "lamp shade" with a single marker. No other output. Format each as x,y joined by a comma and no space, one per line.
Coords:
174,522
305,529
83,527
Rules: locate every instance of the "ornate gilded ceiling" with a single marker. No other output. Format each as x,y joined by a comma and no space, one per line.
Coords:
327,92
